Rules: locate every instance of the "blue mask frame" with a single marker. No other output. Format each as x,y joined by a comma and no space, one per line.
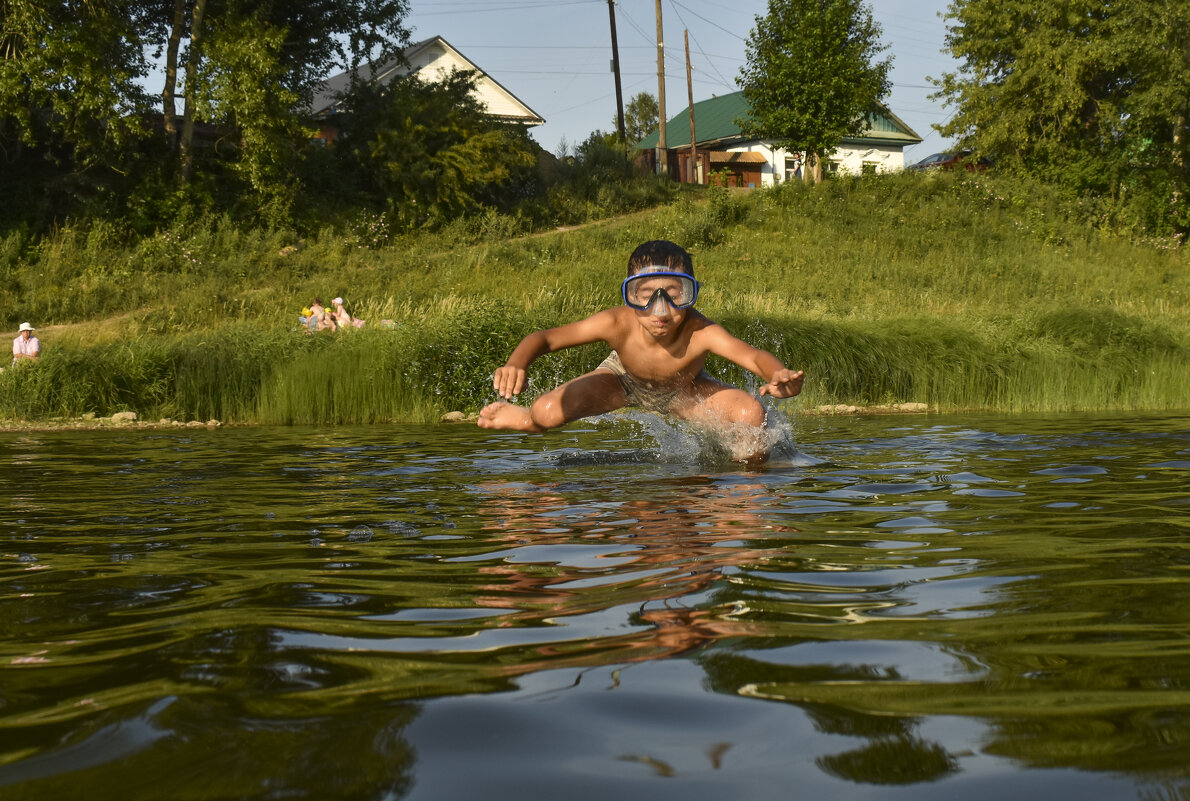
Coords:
661,292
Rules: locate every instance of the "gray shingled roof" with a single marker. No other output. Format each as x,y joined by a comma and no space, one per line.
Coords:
326,97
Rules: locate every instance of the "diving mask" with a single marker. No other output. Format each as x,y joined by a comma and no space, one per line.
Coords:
641,291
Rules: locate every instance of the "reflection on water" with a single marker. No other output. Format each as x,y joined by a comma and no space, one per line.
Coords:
935,606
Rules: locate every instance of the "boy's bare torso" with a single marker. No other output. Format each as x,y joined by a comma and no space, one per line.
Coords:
665,357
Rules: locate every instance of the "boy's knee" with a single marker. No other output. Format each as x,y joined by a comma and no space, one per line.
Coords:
751,413
738,408
547,412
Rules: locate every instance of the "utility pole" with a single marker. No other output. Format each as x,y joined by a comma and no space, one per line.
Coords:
662,153
611,12
690,99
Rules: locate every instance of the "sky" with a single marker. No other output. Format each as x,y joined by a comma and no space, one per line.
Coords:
555,55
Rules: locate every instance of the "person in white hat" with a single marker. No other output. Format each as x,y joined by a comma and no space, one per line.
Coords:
25,346
343,317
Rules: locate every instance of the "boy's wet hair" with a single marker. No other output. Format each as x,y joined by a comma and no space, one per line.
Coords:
660,253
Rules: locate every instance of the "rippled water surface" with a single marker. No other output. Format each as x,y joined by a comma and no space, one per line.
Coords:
901,607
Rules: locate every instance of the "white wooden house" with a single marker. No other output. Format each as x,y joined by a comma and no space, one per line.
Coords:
432,60
752,162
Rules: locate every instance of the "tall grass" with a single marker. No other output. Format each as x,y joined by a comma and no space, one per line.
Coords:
1014,364
956,290
442,360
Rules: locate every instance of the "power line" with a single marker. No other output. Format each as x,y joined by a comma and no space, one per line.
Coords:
566,72
650,38
594,100
473,8
670,61
675,7
709,22
569,47
927,20
547,47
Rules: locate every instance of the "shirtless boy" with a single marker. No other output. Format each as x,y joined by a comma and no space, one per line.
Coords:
659,343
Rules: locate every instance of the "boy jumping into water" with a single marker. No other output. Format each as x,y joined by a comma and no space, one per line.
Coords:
659,343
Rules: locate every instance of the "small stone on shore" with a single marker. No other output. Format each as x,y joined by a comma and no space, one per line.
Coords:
887,408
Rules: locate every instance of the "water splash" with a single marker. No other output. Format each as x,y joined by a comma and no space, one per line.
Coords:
670,440
675,441
780,439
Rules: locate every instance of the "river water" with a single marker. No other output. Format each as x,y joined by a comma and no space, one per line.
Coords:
925,607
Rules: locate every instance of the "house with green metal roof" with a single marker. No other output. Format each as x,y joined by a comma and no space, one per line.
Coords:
724,149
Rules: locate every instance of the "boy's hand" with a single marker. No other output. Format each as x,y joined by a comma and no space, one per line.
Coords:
783,384
509,381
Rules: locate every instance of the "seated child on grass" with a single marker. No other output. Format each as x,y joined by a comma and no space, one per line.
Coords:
659,343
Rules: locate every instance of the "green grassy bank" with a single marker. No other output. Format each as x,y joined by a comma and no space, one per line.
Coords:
958,291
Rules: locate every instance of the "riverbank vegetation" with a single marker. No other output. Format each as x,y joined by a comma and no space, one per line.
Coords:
962,291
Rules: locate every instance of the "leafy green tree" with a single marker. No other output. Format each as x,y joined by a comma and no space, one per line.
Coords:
640,117
71,110
429,152
65,67
319,36
253,65
812,76
1089,95
241,87
76,122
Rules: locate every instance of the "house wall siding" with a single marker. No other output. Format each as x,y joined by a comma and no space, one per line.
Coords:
883,158
781,163
435,63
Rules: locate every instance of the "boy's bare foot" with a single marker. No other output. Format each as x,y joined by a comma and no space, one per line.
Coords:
503,414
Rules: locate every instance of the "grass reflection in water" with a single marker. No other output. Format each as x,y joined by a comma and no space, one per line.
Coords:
386,612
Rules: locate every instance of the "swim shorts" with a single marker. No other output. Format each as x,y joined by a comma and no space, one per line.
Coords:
643,394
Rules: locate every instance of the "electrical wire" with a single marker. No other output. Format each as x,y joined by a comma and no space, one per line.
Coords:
698,47
520,5
709,22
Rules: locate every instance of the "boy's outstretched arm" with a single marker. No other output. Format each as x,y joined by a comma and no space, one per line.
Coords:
780,381
784,383
510,379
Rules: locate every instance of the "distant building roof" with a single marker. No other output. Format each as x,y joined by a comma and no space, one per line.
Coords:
428,58
715,123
